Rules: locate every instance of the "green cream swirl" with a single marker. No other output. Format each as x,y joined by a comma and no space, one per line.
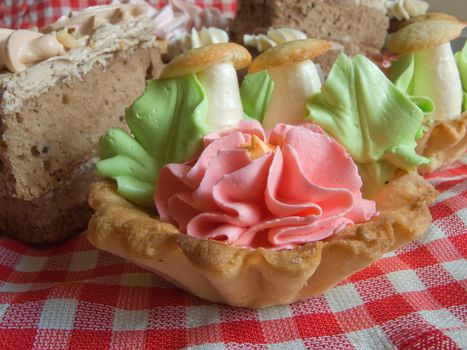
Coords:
371,118
167,125
461,61
255,92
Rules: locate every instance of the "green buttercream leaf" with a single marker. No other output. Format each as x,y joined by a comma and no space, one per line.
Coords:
124,160
139,192
167,123
169,118
461,61
255,93
374,120
402,75
425,103
402,71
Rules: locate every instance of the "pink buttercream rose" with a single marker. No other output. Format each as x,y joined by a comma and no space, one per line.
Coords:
302,189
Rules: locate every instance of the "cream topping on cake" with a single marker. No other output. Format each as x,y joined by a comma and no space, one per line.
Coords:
179,17
85,22
253,189
21,47
203,37
103,44
406,9
272,38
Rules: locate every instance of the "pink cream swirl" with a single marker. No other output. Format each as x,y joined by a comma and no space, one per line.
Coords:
181,16
300,188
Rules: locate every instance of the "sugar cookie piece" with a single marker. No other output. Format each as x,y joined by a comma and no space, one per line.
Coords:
199,59
425,32
288,53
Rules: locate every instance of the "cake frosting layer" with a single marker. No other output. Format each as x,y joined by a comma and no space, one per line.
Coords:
102,46
293,186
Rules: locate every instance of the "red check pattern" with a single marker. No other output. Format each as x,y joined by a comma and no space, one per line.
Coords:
74,296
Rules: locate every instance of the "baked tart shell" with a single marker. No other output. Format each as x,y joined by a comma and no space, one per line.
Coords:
258,278
444,143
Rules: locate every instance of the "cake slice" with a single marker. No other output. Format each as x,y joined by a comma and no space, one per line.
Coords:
353,26
51,117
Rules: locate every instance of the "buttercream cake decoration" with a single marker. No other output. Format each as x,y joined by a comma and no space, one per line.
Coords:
461,61
19,48
272,38
242,206
371,118
256,91
406,9
170,119
295,78
86,21
278,198
427,67
179,17
196,38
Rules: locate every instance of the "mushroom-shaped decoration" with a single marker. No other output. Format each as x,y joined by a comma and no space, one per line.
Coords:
427,66
295,79
215,67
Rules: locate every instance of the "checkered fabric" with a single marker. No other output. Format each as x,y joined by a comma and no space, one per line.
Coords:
74,296
20,14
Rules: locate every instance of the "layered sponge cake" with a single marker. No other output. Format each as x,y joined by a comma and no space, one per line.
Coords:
352,26
55,105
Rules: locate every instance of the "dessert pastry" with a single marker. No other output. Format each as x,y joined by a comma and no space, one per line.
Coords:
427,68
59,92
196,88
260,277
350,26
247,216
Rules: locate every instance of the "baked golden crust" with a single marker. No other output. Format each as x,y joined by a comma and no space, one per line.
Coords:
288,53
196,60
444,143
262,277
425,32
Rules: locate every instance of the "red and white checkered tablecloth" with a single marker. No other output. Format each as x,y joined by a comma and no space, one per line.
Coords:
73,296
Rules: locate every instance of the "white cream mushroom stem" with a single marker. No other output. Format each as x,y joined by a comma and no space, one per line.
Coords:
215,66
18,48
436,75
295,78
